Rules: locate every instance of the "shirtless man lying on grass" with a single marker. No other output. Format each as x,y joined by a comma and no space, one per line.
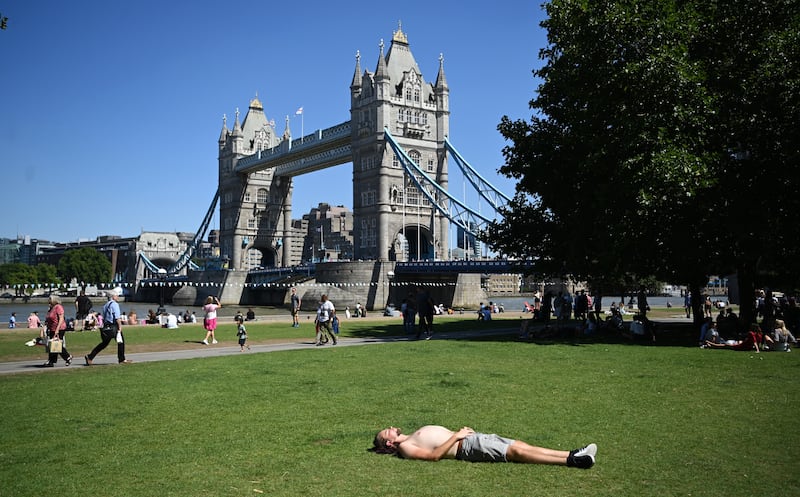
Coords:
432,443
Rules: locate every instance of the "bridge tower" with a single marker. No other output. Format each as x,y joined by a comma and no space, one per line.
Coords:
255,209
392,220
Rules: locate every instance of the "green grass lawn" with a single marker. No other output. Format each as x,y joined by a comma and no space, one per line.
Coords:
668,420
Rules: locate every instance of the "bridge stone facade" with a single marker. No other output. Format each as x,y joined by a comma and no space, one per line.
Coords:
392,221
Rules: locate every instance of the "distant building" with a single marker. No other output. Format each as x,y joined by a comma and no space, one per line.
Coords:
23,250
162,249
468,243
329,235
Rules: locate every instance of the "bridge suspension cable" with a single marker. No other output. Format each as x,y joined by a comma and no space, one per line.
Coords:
186,257
495,197
471,221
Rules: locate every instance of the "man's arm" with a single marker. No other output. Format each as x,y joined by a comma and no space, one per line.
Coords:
409,450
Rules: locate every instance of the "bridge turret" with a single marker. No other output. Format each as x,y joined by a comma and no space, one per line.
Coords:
237,136
223,135
382,80
355,85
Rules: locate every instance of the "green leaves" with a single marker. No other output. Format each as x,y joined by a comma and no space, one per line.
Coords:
85,265
664,136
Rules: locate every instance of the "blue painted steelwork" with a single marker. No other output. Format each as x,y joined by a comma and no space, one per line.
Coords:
495,197
186,257
457,212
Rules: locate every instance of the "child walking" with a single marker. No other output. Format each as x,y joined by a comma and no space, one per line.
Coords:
241,332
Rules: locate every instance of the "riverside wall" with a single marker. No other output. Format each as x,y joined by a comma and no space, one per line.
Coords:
373,284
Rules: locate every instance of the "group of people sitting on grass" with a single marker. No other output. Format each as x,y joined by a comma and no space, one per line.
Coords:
640,328
780,339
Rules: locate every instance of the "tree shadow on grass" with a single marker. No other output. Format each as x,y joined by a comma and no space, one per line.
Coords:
667,333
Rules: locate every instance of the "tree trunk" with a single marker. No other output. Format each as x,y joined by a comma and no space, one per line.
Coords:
745,275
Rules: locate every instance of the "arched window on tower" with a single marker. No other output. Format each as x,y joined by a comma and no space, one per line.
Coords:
262,196
414,156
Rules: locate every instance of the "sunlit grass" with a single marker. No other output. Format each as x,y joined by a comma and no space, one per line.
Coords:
668,421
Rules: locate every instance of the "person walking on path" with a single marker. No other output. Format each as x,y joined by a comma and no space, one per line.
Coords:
210,321
295,303
83,305
425,311
325,316
56,326
111,330
433,443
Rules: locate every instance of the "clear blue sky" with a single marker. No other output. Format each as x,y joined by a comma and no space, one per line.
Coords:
110,111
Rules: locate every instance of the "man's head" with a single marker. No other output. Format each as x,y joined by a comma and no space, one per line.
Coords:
384,440
112,295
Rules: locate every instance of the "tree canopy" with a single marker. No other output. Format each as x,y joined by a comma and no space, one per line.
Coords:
23,276
664,142
86,265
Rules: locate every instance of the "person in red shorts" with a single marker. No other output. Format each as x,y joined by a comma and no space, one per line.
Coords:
750,342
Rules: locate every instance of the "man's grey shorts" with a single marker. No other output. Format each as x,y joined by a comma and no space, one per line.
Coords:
483,447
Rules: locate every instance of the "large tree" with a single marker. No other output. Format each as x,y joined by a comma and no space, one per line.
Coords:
18,275
86,265
633,162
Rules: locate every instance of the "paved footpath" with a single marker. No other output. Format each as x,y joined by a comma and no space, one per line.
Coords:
109,356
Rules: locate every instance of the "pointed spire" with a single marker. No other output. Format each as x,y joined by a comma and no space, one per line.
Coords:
287,134
256,103
357,74
223,135
381,71
399,36
237,128
441,81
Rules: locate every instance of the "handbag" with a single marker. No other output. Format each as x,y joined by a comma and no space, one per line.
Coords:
54,346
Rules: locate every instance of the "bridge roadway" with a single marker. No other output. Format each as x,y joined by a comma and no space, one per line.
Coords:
319,150
441,267
475,266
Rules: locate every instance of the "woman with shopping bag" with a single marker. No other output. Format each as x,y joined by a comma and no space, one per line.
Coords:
56,326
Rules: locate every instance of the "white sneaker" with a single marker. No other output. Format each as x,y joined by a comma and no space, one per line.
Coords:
214,342
583,458
205,342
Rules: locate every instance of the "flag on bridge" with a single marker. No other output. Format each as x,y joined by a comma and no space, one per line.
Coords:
299,111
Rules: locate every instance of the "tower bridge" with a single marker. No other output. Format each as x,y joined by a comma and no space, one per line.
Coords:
397,140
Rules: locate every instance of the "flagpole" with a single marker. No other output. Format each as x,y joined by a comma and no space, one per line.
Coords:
302,123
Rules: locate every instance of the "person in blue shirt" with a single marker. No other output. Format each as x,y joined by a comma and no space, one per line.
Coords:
111,330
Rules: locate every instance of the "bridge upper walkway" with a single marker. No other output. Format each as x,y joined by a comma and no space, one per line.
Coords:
323,148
